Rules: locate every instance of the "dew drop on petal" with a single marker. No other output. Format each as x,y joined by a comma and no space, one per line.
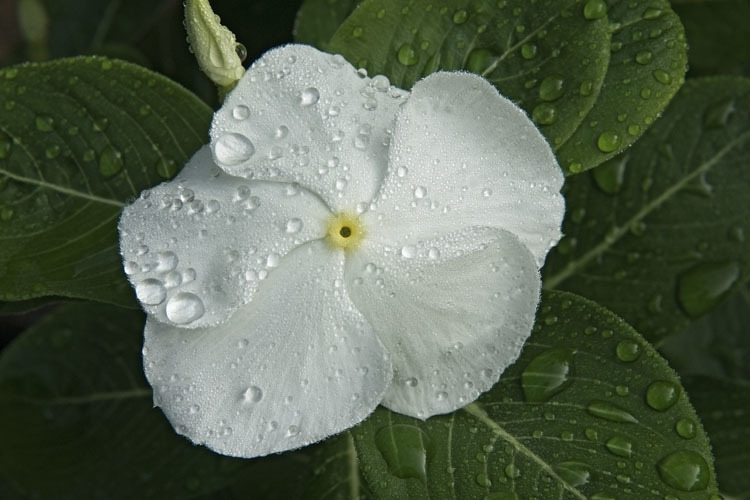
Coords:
252,394
184,308
167,261
273,259
241,112
420,192
409,251
151,292
233,148
309,96
292,431
294,225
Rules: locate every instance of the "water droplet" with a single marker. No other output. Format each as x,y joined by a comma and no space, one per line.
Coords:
402,171
411,382
308,97
420,192
380,83
184,308
407,55
480,60
609,141
292,431
703,286
252,394
620,446
241,112
52,152
151,292
281,132
110,162
610,176
460,16
45,123
294,225
544,114
686,428
573,473
408,251
552,88
684,470
628,350
405,449
652,13
166,261
644,57
610,411
662,76
662,395
547,374
433,253
512,471
528,50
233,148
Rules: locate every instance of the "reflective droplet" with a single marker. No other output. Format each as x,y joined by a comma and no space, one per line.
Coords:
662,395
45,123
686,428
166,261
408,251
595,9
552,88
294,225
460,16
702,287
480,60
610,176
273,259
662,76
544,114
233,148
420,192
308,97
608,141
512,471
184,308
292,431
610,411
151,292
628,350
407,55
252,394
241,112
528,50
620,446
644,57
110,162
573,473
405,449
547,374
411,382
684,470
281,132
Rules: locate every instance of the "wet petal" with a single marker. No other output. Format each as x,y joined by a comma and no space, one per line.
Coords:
453,313
196,248
295,365
463,155
300,115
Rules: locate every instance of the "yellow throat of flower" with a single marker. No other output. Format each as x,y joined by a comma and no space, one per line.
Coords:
345,231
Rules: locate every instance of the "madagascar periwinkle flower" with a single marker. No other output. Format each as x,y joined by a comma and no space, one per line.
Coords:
340,244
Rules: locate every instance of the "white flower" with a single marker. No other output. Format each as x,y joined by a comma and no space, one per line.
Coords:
341,244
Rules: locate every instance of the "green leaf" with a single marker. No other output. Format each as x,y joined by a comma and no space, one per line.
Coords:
77,419
546,56
718,35
318,20
588,411
658,234
717,345
78,139
724,406
646,69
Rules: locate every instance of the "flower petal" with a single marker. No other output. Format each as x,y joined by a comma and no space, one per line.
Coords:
196,248
301,115
463,155
452,312
295,365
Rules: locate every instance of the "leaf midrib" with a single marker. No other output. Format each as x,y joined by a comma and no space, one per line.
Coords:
62,189
614,236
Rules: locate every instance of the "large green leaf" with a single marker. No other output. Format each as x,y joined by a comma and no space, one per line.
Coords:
718,35
78,139
647,67
724,407
589,410
77,419
547,56
658,234
318,20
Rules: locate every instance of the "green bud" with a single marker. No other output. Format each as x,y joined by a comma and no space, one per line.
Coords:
214,46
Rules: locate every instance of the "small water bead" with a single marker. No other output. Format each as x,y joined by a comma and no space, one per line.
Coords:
184,308
644,57
252,395
45,123
662,76
409,251
662,395
595,9
529,50
294,225
308,97
609,141
402,171
420,192
292,431
460,16
547,374
281,132
172,279
407,56
241,112
233,148
628,350
166,261
380,83
188,275
151,292
620,446
684,470
686,428
552,88
544,114
110,162
609,411
703,286
512,471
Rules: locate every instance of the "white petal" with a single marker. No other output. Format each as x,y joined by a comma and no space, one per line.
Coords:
306,116
452,312
463,155
197,247
297,364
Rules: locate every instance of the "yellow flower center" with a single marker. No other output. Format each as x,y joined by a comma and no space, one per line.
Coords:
345,231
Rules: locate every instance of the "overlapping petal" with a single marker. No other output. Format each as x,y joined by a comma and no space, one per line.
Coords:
295,365
453,312
196,248
463,155
300,115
